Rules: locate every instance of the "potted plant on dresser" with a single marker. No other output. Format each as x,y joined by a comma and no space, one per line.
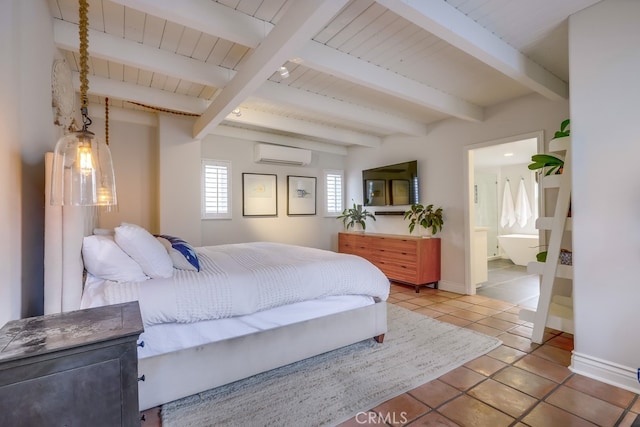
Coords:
355,217
424,216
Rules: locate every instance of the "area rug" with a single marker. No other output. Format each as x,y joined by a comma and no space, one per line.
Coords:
333,387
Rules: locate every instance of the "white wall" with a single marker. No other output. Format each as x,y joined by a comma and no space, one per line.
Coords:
441,165
135,154
179,189
26,133
314,230
179,183
605,104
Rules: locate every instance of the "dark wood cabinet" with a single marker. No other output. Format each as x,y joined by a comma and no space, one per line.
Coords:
71,369
405,259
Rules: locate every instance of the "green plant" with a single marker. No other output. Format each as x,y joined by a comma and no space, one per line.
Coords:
541,161
542,256
356,215
425,216
564,130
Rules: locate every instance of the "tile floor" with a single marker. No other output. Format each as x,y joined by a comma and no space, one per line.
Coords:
511,283
518,384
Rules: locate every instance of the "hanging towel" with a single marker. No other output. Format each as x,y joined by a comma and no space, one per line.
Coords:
523,209
508,216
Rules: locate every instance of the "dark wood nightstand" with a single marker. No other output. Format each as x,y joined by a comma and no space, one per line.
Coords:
71,369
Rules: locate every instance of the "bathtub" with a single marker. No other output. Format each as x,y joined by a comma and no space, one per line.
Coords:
520,248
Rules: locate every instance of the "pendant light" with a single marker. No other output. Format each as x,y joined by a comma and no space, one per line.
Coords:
82,173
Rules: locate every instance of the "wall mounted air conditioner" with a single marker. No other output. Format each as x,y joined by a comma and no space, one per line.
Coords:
269,153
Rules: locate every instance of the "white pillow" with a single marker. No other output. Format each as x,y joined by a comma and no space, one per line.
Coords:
182,254
105,259
140,245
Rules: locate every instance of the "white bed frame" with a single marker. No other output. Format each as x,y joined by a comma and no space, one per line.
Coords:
178,374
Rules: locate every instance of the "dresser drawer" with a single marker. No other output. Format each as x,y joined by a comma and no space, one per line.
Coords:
404,258
395,245
353,244
397,272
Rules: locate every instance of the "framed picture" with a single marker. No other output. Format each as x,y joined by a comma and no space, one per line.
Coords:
301,195
259,194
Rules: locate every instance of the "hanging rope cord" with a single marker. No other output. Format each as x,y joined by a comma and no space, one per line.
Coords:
106,120
83,30
84,80
164,110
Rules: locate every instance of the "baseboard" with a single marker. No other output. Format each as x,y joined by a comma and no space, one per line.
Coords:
458,288
605,371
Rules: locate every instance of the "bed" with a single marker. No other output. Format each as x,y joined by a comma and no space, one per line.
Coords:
185,355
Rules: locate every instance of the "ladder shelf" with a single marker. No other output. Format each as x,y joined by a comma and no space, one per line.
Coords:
554,310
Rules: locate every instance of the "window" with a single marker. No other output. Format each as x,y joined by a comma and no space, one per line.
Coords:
216,189
334,192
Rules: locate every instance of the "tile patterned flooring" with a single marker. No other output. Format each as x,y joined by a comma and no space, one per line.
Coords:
518,384
511,283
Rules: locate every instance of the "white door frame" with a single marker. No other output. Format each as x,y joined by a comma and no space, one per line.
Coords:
468,195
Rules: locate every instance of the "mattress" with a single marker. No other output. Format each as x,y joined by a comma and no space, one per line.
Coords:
245,278
167,337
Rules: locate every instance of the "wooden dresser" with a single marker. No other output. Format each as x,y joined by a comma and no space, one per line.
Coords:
71,369
406,259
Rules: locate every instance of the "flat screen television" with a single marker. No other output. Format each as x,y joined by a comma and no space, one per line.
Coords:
391,185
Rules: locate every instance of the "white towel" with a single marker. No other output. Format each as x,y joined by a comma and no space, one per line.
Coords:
508,216
523,209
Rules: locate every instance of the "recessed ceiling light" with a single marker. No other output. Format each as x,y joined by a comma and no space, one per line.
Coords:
508,154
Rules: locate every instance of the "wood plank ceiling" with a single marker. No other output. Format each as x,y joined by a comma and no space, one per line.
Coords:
359,70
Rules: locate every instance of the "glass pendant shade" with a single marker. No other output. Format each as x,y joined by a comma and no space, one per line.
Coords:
82,173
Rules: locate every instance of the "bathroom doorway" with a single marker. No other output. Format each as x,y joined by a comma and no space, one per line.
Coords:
498,182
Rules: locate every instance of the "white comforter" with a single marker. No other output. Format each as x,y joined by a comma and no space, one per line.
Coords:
245,278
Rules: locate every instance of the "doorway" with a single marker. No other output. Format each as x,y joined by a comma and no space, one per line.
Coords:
498,180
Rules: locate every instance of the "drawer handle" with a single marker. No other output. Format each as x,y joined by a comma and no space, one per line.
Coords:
143,418
142,378
141,344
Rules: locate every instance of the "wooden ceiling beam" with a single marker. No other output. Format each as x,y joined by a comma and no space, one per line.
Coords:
302,127
328,60
301,21
102,86
274,138
358,116
137,55
452,26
